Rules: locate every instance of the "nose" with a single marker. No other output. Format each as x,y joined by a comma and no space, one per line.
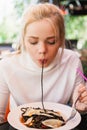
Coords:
42,48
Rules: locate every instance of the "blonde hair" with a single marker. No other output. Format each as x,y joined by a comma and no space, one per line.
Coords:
38,12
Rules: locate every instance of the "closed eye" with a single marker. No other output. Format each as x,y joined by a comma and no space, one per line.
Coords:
51,43
32,40
33,43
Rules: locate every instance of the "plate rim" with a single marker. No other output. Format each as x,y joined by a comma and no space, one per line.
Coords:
47,104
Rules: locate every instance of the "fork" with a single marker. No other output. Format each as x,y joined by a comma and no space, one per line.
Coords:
73,111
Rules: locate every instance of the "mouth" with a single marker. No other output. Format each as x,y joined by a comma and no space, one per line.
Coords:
42,61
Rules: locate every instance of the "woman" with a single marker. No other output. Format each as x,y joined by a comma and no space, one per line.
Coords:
42,44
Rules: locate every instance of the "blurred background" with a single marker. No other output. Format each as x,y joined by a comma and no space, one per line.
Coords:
75,16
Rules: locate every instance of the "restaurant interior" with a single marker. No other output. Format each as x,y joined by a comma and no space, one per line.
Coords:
72,10
69,8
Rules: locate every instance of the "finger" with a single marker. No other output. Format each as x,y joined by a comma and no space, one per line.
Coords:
82,89
81,85
83,94
81,107
78,91
84,100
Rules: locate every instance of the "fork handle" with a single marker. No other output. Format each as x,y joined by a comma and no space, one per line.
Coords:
74,104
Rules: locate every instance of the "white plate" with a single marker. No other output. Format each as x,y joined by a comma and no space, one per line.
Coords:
14,115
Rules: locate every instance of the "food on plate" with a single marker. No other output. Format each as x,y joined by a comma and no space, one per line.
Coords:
38,118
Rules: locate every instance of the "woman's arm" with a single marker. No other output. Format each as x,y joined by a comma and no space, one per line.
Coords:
4,95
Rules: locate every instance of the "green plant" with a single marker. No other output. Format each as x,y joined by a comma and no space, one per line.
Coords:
84,64
76,27
85,44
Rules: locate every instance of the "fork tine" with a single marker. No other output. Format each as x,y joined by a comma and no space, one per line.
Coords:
72,115
73,111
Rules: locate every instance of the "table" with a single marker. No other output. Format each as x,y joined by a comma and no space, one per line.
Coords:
81,126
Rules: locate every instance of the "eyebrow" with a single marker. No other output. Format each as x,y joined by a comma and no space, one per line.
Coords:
50,37
33,37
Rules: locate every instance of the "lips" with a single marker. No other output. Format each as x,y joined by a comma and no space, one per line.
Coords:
43,61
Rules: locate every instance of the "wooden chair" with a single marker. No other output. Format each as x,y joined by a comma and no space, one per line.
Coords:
7,110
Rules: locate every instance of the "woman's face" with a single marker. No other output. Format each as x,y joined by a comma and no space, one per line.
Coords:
41,43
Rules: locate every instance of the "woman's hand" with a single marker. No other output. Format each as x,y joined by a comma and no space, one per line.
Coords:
81,104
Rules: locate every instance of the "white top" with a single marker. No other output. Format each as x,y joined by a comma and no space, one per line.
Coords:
21,77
